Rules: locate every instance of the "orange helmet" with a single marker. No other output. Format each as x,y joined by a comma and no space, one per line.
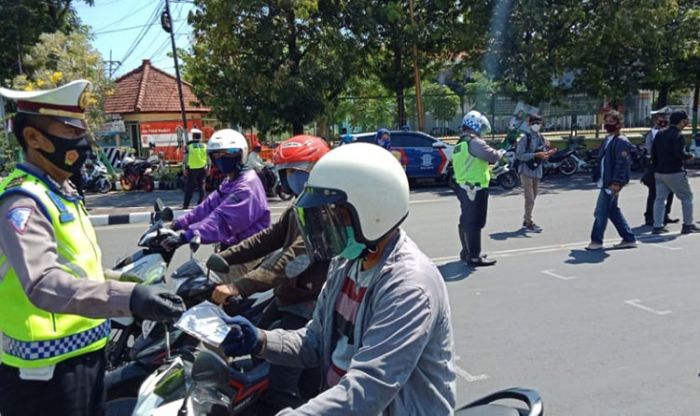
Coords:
299,153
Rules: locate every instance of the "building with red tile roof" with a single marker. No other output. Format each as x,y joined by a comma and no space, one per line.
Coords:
146,100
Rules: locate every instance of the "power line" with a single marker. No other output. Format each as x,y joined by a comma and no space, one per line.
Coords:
140,36
124,29
128,15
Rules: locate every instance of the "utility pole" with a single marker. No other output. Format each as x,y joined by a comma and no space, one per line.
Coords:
111,62
166,22
420,114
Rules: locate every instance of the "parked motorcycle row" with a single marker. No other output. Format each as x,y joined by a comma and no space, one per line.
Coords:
156,369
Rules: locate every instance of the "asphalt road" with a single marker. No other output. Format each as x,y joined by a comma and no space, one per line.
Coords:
611,333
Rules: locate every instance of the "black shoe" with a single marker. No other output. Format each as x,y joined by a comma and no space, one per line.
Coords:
668,220
690,229
482,261
659,230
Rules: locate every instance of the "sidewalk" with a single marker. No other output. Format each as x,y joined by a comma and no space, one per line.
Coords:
134,207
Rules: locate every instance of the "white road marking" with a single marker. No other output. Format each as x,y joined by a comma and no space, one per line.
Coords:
466,375
637,304
665,247
425,201
558,276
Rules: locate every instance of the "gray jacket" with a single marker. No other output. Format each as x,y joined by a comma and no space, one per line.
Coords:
402,363
524,154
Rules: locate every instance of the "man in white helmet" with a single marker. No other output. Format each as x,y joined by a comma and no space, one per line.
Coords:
472,174
381,331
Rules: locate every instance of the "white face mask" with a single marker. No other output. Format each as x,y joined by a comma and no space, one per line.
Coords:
535,127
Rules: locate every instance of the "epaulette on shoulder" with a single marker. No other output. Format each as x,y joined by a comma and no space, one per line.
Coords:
17,181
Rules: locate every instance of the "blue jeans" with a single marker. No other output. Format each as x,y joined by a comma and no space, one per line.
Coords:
607,208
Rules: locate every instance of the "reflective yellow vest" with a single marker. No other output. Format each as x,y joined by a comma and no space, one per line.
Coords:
196,155
33,337
469,169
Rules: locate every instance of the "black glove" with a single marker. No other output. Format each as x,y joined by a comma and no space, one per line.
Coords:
172,242
155,303
216,263
174,225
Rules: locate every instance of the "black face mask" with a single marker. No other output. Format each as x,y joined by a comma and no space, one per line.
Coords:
69,154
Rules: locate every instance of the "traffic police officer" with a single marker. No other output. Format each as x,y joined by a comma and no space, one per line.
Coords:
53,296
472,174
195,167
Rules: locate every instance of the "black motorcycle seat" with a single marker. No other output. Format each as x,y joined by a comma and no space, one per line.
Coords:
491,410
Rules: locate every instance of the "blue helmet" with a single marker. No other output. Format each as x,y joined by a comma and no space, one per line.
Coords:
380,133
477,122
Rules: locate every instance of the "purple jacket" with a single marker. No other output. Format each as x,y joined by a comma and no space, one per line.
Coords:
229,215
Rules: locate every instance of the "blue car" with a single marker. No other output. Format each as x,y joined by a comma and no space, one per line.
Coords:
424,156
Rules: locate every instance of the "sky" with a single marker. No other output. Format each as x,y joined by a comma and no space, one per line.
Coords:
117,25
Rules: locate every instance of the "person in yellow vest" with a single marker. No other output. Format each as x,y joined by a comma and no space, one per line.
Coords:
54,300
472,174
195,167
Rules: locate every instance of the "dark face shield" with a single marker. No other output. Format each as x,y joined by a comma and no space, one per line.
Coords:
325,221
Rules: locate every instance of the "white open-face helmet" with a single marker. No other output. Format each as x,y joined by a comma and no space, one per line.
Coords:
196,134
361,186
229,141
477,122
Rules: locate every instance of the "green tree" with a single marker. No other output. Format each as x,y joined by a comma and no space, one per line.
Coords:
274,65
439,27
59,58
23,22
366,105
614,44
439,100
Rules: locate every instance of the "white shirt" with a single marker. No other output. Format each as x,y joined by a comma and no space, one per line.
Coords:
603,149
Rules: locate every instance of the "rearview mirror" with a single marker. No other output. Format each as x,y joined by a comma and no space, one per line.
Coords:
439,145
158,205
209,370
195,243
167,214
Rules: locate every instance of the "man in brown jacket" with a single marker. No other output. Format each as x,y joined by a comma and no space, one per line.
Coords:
287,268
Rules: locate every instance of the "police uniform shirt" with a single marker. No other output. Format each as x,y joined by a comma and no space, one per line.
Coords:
29,242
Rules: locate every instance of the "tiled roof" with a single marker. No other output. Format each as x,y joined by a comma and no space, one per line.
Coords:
148,89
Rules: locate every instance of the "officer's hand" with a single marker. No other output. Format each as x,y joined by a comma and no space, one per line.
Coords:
243,338
615,188
172,242
223,292
174,225
541,155
155,303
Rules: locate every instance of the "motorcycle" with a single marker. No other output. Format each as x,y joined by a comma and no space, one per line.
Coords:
210,386
486,406
95,177
565,161
504,175
641,159
138,173
271,181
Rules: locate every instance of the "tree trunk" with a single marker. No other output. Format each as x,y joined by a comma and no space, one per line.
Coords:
662,101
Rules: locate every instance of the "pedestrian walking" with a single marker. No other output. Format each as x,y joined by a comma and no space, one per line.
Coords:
667,157
660,118
531,154
54,299
613,175
195,167
472,174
